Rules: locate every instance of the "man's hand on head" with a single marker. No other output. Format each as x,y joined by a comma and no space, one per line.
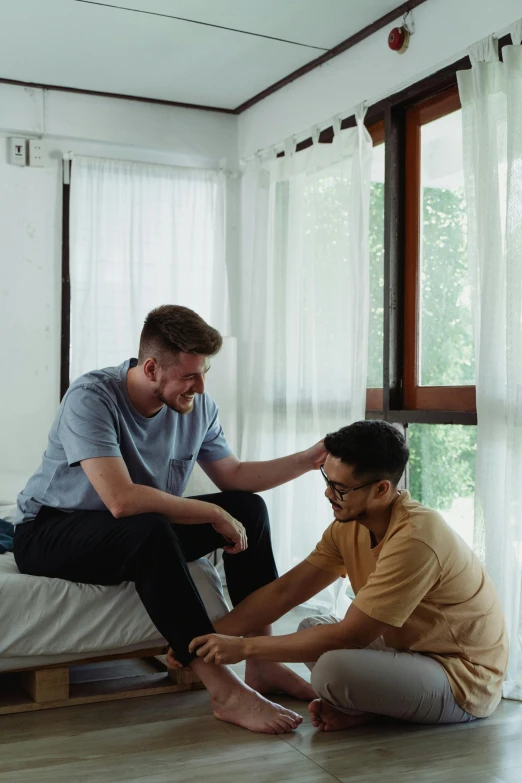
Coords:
316,455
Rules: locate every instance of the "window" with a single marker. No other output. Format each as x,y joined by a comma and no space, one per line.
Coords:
376,325
445,343
427,365
441,472
438,348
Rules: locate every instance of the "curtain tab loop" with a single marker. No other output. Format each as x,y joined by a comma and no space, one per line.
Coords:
315,134
290,146
360,113
484,51
336,124
516,32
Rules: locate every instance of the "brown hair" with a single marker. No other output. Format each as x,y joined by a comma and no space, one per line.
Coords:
171,329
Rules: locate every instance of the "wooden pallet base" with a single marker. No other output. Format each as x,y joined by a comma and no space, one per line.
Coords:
92,680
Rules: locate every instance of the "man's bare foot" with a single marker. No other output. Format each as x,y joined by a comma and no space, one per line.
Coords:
269,677
249,709
327,718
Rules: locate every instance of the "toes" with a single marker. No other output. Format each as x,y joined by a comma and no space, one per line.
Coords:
289,720
281,727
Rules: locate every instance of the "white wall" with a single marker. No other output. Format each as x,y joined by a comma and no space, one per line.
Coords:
30,236
370,71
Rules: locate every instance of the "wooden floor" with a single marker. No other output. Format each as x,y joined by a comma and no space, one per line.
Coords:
173,738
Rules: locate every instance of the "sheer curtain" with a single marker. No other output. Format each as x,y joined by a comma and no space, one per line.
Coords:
141,235
491,95
303,355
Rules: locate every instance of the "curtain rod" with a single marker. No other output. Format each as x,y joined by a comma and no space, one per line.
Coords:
69,156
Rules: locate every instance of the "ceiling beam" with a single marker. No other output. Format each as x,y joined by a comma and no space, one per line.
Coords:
370,29
118,95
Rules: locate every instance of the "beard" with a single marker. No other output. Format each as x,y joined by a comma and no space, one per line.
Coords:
176,406
360,516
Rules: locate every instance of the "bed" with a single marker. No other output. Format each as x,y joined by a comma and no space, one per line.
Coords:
50,625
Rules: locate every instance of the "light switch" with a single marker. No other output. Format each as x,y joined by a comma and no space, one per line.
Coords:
17,151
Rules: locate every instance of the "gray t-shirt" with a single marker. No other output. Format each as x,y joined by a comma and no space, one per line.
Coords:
96,419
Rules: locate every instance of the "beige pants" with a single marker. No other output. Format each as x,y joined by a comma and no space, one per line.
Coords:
383,681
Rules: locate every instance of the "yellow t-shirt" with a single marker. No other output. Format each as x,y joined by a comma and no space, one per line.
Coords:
425,581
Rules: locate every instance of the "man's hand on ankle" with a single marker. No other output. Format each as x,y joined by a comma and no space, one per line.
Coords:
216,648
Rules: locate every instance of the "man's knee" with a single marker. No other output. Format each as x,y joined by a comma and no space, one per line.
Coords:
331,672
318,619
334,679
250,509
309,622
254,503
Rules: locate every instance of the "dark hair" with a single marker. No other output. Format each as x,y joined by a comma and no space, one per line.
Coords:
171,329
375,449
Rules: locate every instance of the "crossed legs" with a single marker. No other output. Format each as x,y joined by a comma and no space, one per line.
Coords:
354,686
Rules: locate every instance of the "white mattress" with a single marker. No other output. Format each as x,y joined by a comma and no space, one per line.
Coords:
46,620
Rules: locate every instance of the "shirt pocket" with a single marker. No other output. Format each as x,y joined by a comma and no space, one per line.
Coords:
179,473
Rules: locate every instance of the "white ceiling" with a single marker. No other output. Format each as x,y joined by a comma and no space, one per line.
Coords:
95,47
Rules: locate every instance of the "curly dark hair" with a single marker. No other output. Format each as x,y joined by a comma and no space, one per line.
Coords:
375,449
172,329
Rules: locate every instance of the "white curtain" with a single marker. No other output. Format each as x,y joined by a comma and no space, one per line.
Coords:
304,335
491,95
141,236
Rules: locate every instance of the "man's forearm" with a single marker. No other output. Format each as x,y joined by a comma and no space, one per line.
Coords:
301,647
258,610
260,476
140,499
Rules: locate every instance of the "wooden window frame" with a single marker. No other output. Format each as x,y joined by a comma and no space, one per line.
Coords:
417,397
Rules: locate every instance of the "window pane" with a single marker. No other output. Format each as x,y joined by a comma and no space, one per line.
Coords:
446,337
375,336
442,471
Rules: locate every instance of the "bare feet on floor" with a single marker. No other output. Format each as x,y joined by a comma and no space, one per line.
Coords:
327,718
249,709
269,677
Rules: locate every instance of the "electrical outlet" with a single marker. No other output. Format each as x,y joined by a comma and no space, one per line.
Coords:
17,151
37,152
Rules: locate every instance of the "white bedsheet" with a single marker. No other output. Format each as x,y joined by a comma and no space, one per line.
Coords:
46,620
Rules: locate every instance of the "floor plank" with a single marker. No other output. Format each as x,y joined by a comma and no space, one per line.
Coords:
415,754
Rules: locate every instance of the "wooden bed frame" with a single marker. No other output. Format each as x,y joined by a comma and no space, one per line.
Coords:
125,676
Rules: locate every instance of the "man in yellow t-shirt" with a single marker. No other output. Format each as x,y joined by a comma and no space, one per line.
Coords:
424,638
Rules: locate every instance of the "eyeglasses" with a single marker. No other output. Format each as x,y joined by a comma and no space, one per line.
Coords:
337,492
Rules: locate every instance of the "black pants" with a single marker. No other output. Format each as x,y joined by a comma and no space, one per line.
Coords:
95,548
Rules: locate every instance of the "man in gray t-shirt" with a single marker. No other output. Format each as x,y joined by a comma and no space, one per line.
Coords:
105,504
97,419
